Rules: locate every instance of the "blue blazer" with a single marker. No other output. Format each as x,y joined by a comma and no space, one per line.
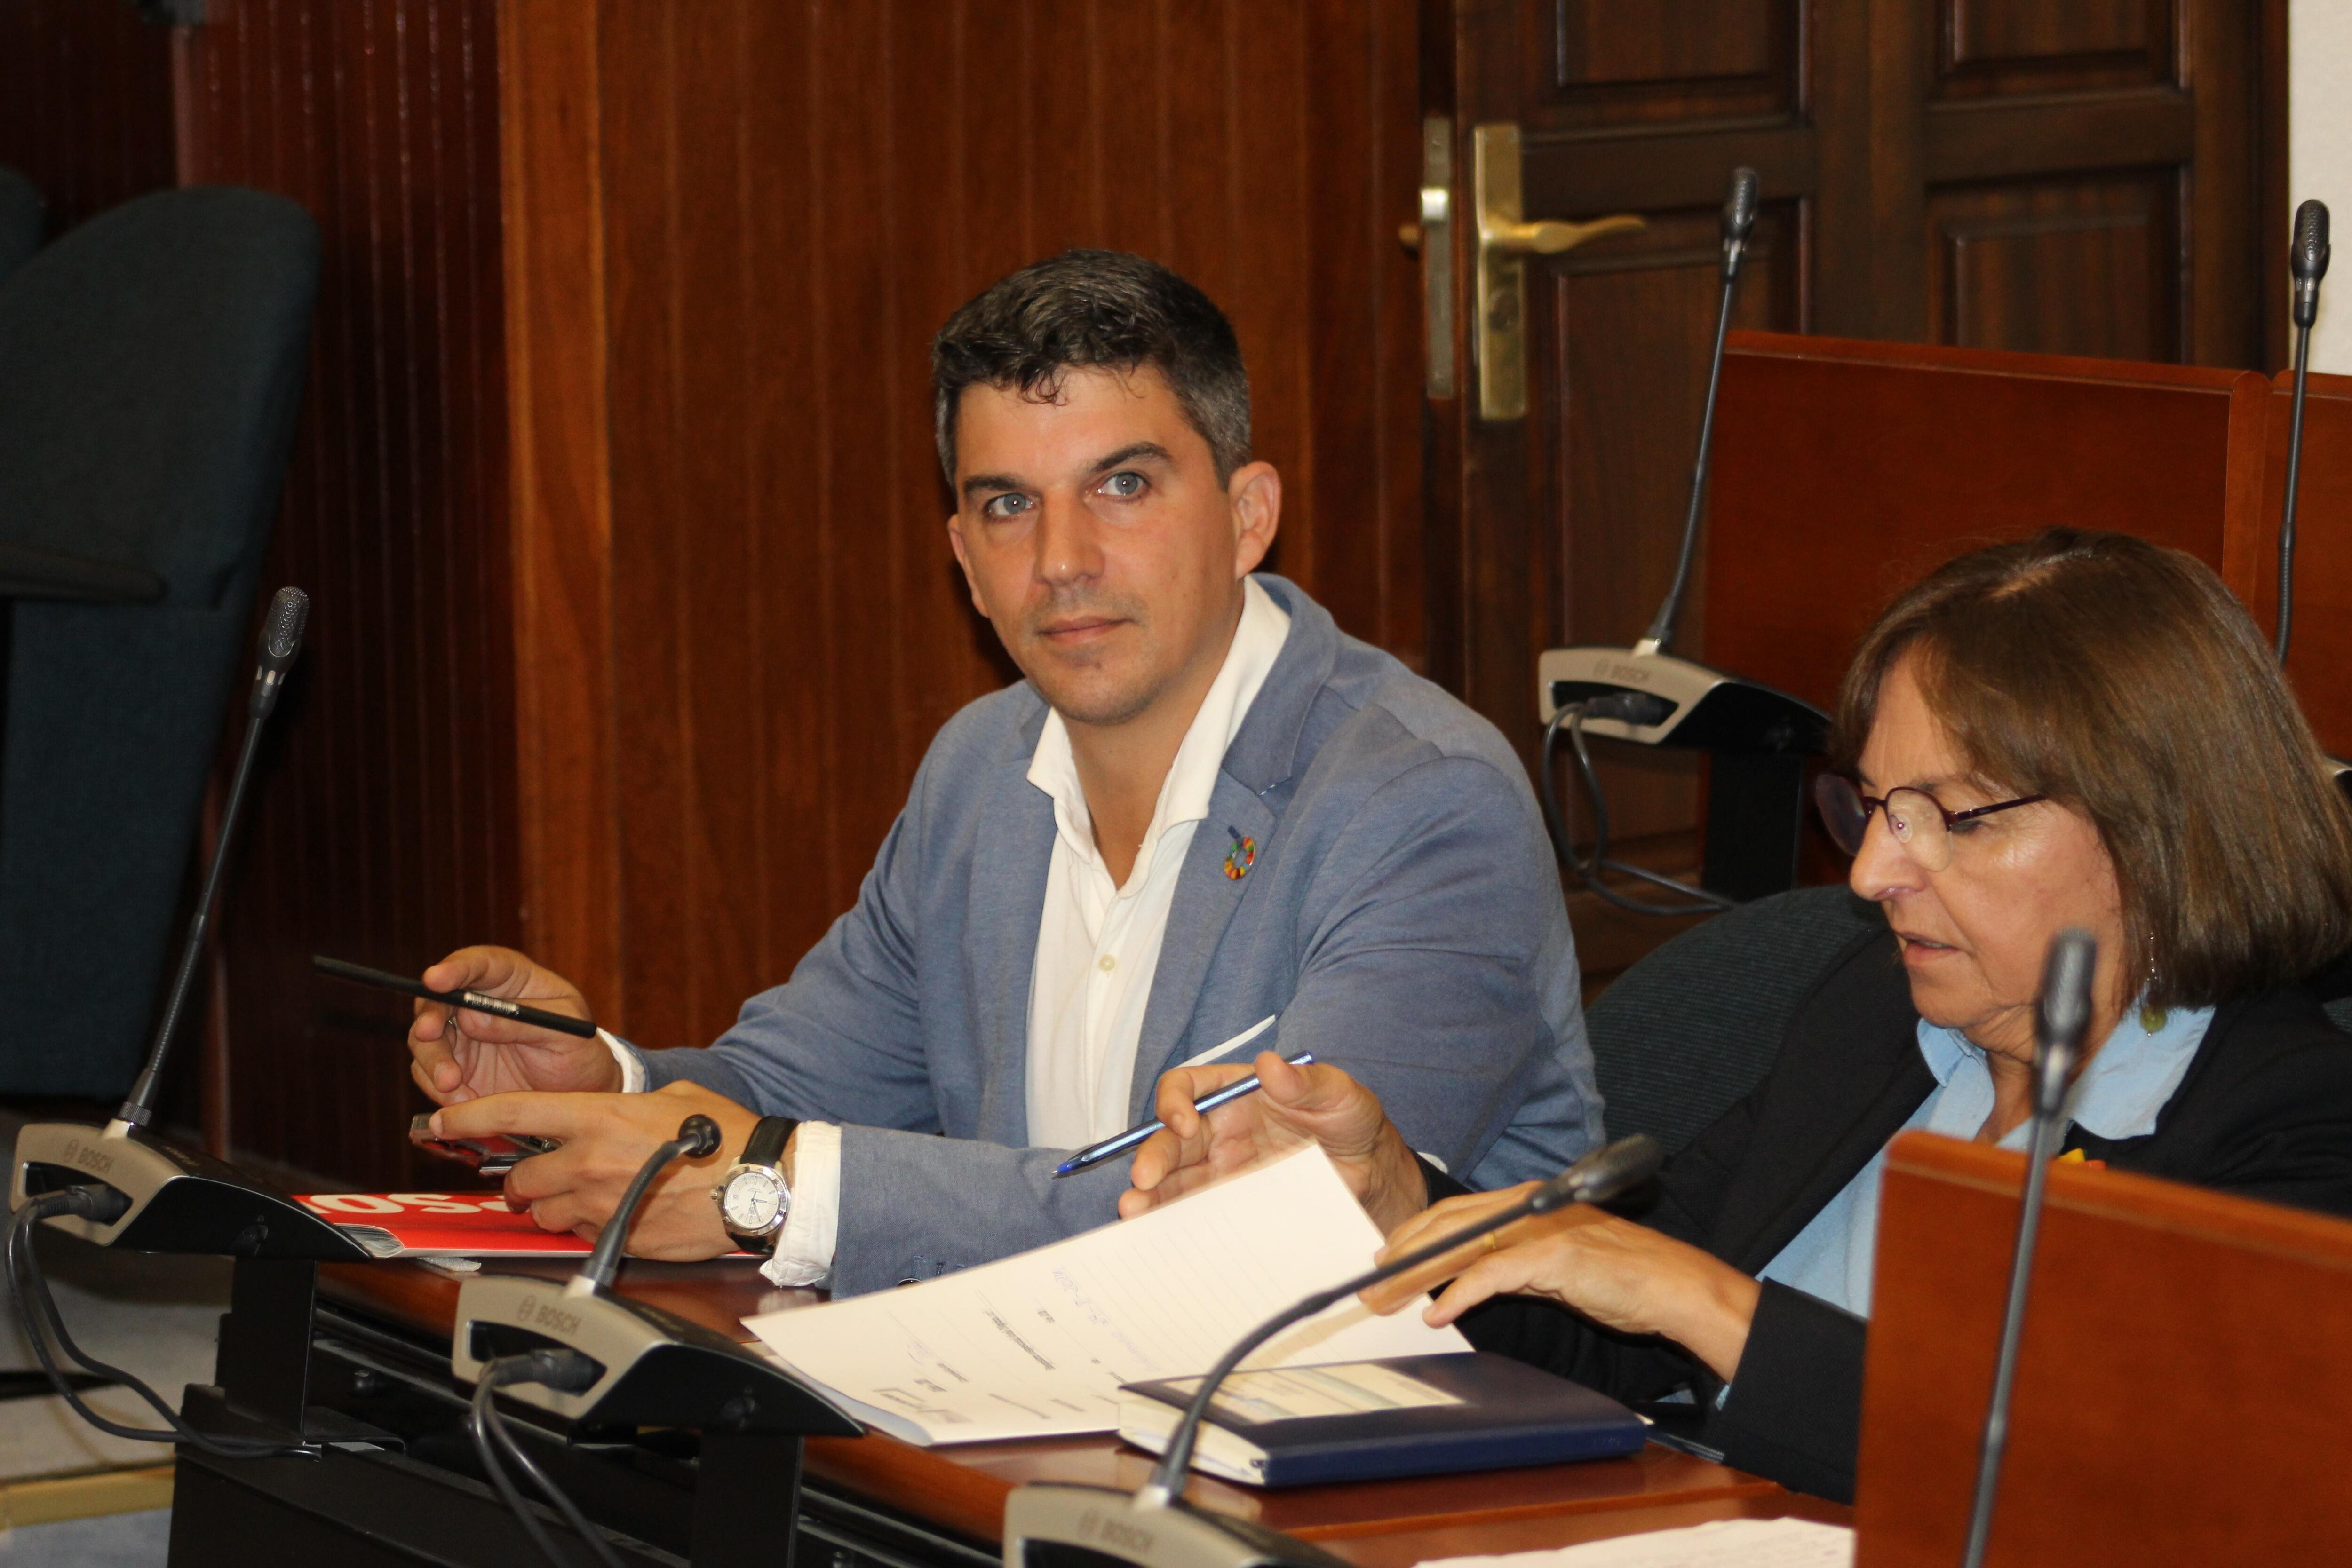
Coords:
1402,916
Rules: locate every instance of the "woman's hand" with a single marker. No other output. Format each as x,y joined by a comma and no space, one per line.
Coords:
1317,1104
1621,1275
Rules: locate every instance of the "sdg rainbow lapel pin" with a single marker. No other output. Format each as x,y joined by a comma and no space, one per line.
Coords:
1241,857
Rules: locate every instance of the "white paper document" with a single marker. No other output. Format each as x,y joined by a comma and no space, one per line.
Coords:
1036,1345
1730,1543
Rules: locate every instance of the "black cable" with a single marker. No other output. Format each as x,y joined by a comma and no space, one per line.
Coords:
28,1288
1590,869
488,1428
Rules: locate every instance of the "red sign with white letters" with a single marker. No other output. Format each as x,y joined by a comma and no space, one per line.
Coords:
440,1225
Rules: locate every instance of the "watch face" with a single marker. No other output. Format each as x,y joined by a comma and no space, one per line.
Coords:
754,1199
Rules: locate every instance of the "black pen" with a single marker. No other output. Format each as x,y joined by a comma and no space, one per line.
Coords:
473,1001
1110,1147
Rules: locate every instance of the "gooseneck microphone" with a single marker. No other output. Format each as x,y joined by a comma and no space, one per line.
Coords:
2060,1019
698,1139
602,1361
281,642
2308,263
1756,735
1154,1528
1739,217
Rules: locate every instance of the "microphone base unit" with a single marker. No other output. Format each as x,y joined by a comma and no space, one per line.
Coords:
1053,1525
1757,738
166,1198
1685,706
654,1368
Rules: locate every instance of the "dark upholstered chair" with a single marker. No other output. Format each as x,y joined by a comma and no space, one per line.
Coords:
151,364
22,220
1682,1034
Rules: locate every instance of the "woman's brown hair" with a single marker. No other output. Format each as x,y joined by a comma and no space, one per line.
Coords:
2122,679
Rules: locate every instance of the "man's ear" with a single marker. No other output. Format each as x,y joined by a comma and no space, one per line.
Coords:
955,542
1255,494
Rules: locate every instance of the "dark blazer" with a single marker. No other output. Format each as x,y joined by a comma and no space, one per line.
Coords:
2264,1110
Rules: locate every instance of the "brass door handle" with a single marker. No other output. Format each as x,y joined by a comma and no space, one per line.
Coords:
1504,238
1551,237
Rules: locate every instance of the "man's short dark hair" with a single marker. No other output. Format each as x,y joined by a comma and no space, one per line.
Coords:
1090,310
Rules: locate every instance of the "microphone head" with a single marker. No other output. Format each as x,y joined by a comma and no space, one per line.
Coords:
2307,260
1739,205
2063,1015
281,630
1606,1172
700,1133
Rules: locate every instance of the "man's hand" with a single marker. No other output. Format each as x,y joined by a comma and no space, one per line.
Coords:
458,1055
605,1138
1622,1275
1317,1104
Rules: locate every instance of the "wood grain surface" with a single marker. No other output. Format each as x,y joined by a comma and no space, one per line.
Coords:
2185,1358
740,223
1847,469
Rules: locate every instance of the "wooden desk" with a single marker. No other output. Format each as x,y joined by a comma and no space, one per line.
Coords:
962,1490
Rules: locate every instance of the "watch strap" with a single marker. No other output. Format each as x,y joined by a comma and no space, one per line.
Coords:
766,1144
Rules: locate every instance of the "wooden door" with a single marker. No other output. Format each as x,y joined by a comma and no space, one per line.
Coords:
2095,178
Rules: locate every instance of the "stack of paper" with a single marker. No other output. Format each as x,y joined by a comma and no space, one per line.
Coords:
1732,1543
1037,1345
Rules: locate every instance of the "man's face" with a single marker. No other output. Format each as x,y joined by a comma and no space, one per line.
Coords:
1099,542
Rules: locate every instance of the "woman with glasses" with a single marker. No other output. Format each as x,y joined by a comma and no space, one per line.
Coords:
2077,731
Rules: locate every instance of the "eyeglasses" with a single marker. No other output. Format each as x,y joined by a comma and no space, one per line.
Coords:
1917,818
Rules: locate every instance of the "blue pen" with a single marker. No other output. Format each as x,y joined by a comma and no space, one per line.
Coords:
1109,1147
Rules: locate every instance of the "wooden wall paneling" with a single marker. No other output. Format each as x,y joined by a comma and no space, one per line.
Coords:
791,201
86,104
1847,469
1364,330
558,370
384,824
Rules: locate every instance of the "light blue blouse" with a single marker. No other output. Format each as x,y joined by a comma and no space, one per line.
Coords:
2117,1096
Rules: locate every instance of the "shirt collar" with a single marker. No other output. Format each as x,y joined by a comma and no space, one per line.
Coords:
2125,1086
1191,779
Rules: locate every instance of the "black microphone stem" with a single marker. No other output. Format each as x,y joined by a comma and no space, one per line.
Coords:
2046,1132
1662,629
282,643
2293,476
1739,218
697,1135
1601,1174
2062,1021
2308,264
139,1108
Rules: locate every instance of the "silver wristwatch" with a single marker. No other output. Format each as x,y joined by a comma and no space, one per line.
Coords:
752,1198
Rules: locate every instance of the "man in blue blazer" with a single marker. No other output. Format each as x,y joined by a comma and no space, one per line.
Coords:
1204,809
